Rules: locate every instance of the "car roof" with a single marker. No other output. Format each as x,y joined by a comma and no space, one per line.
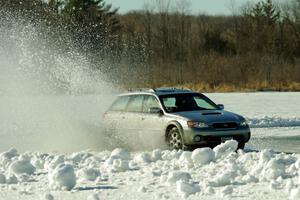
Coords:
158,91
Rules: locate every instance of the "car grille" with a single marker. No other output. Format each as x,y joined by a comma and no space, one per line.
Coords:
228,125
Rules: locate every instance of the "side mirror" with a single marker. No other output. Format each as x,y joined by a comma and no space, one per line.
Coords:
155,110
221,106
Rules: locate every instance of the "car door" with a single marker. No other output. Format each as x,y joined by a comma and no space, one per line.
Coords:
151,124
133,113
115,116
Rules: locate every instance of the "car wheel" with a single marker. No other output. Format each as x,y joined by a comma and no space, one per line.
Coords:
175,139
241,145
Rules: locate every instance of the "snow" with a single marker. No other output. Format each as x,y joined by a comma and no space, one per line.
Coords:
63,177
225,149
120,154
93,197
48,197
175,176
186,188
118,161
88,174
2,179
295,194
9,154
143,157
156,155
21,166
261,171
11,179
274,121
52,164
186,158
203,156
137,175
228,190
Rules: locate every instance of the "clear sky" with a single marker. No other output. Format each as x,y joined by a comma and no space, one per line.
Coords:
213,7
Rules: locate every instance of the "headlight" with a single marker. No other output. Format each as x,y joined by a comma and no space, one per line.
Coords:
243,123
193,124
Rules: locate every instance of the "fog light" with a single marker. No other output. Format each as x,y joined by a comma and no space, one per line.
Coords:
197,138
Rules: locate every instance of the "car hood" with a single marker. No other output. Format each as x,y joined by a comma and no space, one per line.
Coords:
210,116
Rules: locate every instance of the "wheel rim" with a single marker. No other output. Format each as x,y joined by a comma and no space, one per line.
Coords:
175,141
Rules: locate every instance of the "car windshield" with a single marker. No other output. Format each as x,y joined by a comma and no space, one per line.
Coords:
187,102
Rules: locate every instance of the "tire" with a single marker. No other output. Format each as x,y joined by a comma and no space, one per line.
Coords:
174,139
241,145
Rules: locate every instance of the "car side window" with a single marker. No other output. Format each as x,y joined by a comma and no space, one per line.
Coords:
120,104
150,102
135,104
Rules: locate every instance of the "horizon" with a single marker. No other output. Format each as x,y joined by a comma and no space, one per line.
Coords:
211,7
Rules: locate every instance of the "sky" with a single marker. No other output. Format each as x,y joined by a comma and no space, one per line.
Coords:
212,7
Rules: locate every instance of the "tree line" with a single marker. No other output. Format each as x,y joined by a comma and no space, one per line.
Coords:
257,48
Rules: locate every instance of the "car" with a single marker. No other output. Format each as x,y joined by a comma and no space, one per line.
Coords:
183,118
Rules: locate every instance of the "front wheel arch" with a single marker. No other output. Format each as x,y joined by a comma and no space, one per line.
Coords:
172,125
176,125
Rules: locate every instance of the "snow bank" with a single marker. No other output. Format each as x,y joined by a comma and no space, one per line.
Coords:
186,188
88,174
118,161
156,155
203,156
93,197
11,179
7,157
38,162
63,177
9,154
80,156
117,165
52,164
186,157
217,173
171,155
120,154
48,197
143,157
2,179
228,190
295,194
175,176
22,166
274,121
225,149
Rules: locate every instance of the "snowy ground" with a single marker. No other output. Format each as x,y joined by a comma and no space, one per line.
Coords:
274,118
43,124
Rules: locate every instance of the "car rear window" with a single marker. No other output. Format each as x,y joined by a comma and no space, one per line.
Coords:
135,104
120,104
150,102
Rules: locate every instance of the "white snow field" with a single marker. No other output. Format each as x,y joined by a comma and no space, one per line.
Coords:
43,157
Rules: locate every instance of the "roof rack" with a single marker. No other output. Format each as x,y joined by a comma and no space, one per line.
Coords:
171,89
167,88
141,90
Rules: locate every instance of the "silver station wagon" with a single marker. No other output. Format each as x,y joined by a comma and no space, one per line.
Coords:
184,119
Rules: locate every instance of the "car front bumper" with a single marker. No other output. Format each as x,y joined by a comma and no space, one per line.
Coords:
214,137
